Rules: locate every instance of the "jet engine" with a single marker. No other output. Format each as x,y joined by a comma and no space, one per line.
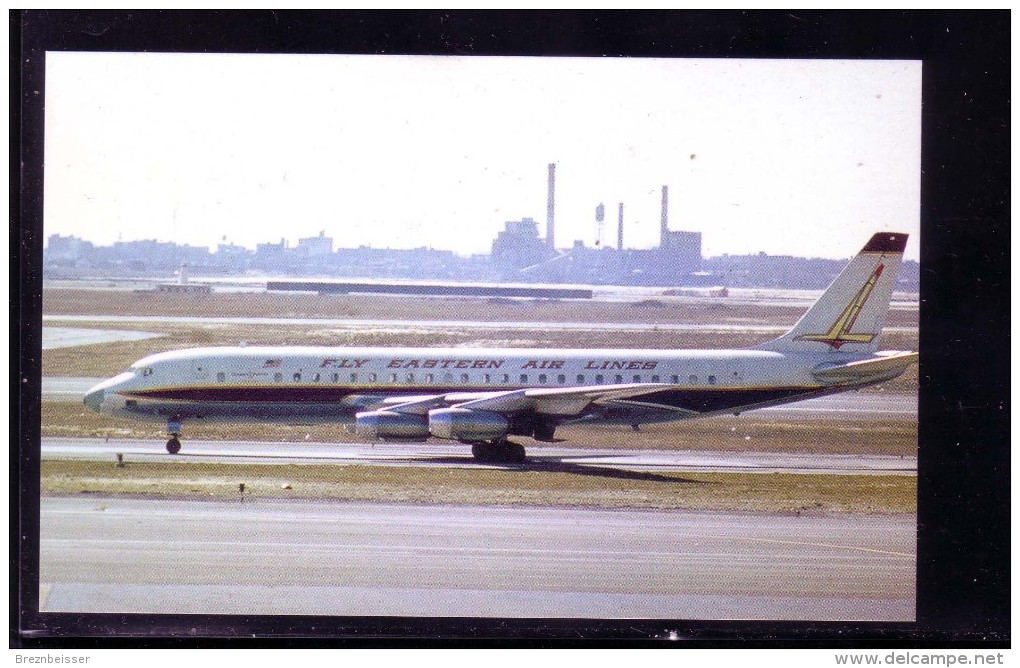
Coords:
464,424
390,425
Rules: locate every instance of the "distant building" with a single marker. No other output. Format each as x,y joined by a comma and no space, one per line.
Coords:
231,257
66,249
274,257
315,247
682,249
518,246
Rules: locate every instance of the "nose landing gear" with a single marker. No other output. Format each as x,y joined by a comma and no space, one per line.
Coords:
173,427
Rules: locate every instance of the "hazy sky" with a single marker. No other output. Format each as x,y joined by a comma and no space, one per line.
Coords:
782,156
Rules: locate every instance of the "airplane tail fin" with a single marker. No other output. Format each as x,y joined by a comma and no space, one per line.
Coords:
850,314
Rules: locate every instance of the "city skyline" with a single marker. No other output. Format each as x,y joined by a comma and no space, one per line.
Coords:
803,158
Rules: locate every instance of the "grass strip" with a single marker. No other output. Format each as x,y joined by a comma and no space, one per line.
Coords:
531,485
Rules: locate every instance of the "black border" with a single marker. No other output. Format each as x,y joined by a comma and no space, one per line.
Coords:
964,458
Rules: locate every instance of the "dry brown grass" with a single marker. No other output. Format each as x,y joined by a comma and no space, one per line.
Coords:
282,305
579,486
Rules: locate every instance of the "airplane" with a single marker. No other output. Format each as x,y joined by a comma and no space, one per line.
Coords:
484,396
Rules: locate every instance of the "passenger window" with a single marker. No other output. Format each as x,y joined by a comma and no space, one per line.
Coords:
430,378
506,378
711,380
675,379
524,377
487,379
693,380
561,379
393,377
354,377
447,377
541,378
655,379
409,378
619,378
463,378
372,377
317,378
221,377
297,377
599,379
335,378
580,378
278,377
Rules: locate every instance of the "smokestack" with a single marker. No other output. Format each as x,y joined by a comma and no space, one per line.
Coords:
619,230
665,217
550,211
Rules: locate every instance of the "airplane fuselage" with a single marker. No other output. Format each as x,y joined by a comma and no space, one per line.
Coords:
327,384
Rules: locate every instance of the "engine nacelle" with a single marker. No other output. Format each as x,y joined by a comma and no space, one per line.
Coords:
463,424
390,425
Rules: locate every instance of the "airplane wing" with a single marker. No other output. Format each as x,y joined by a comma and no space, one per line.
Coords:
889,363
560,401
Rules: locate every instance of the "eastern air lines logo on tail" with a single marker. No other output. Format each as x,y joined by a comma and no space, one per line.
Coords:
839,333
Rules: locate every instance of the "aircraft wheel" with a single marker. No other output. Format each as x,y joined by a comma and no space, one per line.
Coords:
173,446
482,452
515,453
499,453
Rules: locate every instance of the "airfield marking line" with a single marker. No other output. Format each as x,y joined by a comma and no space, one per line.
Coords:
839,547
334,548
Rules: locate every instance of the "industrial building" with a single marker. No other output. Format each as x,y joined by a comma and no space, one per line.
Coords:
519,253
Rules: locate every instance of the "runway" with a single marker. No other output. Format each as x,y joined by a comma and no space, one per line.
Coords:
106,555
447,455
69,337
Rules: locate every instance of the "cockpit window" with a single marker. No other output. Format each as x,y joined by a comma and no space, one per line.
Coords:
147,371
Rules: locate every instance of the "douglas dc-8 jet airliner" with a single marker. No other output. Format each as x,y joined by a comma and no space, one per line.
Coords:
484,396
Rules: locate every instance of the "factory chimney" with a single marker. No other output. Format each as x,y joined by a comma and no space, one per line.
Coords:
665,217
550,212
619,229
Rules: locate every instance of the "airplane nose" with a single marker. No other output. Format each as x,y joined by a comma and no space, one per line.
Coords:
94,398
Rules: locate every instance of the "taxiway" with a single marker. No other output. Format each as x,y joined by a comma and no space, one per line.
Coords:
117,555
446,455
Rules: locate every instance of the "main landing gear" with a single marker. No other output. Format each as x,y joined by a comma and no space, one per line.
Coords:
499,452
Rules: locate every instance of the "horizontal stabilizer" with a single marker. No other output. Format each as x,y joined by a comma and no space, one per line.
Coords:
887,364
